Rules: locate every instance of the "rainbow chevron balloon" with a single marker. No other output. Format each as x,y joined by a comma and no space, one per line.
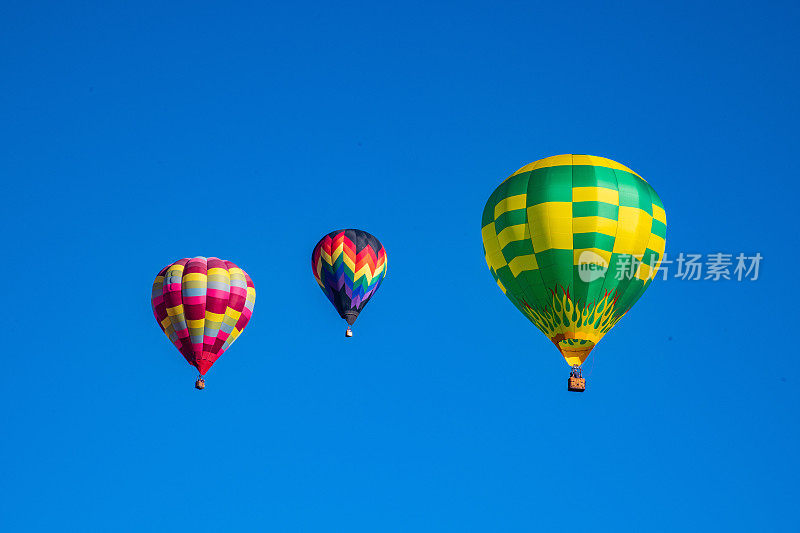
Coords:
349,265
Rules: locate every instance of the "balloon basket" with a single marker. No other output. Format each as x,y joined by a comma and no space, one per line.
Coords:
576,381
200,384
348,332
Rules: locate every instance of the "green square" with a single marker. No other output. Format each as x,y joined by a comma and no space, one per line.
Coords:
550,184
556,267
659,228
593,240
516,184
517,248
655,198
595,209
634,192
510,218
488,210
591,176
534,292
632,291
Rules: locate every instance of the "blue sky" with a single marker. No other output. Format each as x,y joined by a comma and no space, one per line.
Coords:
136,134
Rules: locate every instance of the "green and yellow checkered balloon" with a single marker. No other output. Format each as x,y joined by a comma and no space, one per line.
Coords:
573,241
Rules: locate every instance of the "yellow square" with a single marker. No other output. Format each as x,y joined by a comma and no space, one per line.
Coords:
509,204
576,255
659,214
595,194
657,244
603,225
513,233
633,231
551,225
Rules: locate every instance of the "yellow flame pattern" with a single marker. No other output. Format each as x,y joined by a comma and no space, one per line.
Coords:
574,329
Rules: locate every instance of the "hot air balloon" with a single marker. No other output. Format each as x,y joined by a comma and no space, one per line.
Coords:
349,266
573,241
202,305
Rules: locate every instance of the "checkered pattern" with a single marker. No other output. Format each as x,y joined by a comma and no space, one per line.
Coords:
552,215
349,266
202,305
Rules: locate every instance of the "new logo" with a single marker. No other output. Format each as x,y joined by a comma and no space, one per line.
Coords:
591,266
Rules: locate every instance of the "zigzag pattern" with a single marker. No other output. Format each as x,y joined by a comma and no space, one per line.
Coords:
349,266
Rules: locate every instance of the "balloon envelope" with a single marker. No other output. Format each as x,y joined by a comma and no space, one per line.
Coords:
349,266
202,305
573,241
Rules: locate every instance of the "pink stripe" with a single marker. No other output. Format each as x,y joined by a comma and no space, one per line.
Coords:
216,293
239,291
194,300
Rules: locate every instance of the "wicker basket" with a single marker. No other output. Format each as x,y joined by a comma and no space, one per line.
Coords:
576,384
